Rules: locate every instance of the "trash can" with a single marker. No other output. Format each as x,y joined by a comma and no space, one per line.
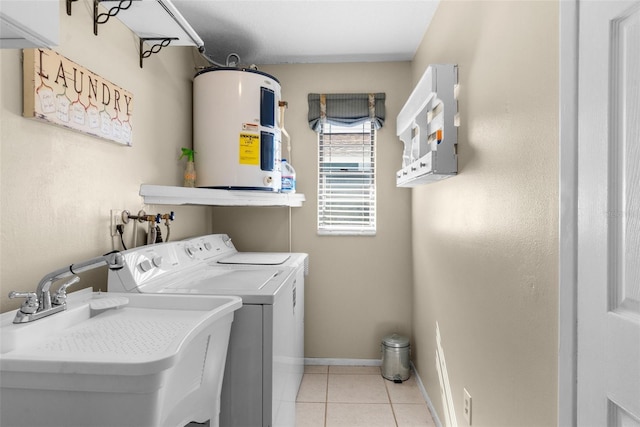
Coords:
395,358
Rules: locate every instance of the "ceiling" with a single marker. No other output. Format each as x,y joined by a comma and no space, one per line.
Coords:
309,31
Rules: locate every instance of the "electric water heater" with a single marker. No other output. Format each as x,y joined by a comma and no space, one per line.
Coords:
236,135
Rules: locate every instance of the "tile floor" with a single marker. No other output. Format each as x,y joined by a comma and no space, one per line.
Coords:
351,396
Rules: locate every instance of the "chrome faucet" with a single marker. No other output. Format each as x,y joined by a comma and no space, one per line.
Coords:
40,304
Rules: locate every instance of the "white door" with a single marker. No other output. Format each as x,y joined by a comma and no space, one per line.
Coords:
608,372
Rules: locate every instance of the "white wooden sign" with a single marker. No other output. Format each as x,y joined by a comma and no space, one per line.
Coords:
59,91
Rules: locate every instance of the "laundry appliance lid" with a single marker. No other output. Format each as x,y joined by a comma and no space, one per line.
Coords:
239,281
256,258
254,286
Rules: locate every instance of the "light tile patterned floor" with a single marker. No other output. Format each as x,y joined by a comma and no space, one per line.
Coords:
351,396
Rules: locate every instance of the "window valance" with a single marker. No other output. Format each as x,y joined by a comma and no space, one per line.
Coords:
346,109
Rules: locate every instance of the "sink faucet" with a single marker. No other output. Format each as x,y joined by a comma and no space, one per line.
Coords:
39,304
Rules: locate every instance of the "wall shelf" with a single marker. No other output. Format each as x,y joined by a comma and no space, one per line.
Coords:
28,24
168,195
155,21
427,125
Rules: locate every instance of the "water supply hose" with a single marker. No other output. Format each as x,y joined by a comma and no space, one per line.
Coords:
210,60
151,234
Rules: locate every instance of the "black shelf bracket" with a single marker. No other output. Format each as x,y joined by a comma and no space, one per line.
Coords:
102,18
164,42
69,4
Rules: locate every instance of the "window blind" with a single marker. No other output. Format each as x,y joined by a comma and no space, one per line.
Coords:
346,179
346,109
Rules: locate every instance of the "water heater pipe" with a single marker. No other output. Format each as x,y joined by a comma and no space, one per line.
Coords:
282,105
203,52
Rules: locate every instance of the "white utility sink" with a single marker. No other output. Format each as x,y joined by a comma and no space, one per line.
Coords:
115,359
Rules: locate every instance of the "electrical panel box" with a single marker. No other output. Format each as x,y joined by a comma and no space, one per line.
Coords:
427,125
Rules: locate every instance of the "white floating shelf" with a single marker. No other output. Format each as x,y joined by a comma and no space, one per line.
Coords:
168,195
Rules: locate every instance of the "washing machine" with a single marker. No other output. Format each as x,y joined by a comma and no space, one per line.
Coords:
265,359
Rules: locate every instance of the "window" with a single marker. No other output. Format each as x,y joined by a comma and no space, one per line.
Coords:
346,179
346,124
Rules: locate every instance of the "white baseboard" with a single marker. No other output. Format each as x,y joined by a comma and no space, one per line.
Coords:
342,362
423,390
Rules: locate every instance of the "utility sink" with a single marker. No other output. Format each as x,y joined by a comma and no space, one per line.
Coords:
115,359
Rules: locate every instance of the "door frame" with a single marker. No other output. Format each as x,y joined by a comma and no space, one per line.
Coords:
568,215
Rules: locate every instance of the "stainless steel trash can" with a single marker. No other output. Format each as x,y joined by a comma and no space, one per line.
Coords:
395,358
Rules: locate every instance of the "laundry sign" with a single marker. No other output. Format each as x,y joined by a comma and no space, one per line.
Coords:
59,91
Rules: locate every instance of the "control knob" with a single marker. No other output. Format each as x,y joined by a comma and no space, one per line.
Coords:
191,250
145,265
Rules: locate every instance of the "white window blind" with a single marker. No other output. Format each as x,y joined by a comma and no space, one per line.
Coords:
346,179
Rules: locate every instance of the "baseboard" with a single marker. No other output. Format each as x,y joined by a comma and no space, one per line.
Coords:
342,362
423,390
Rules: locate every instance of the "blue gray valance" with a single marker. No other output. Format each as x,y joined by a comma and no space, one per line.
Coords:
345,109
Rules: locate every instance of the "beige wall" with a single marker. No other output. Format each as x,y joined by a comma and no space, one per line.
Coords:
358,288
58,186
485,242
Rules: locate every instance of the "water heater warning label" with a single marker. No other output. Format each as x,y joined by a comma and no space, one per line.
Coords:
249,149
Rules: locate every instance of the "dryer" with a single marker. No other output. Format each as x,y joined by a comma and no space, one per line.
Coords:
283,366
265,358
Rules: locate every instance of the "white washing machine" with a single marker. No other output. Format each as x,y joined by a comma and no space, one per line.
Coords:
265,359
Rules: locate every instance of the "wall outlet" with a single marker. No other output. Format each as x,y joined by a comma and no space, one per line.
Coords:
116,219
467,406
